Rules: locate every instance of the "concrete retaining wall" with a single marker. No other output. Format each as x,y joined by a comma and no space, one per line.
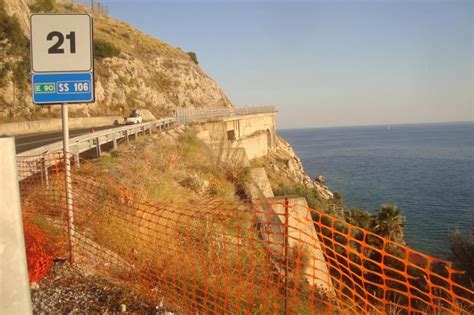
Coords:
300,231
26,127
247,125
255,146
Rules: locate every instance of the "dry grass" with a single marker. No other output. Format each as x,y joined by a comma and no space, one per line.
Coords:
178,240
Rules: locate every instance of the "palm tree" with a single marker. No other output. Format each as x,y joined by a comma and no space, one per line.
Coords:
389,223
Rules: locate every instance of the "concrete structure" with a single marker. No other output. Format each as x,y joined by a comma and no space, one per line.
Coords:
301,230
37,126
256,133
14,288
260,186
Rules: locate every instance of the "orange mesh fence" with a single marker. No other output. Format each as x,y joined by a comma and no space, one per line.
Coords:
272,256
38,259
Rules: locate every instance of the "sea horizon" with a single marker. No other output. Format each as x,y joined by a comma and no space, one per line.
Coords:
382,125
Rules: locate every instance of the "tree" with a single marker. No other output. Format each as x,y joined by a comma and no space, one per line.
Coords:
389,223
193,57
461,253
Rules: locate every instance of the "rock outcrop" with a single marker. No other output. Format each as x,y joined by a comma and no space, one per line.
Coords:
284,168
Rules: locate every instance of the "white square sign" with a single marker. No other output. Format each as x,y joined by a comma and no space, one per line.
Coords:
61,43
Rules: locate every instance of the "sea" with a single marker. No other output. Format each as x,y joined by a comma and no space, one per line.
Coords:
426,169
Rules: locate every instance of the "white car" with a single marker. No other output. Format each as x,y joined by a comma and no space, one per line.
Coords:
134,118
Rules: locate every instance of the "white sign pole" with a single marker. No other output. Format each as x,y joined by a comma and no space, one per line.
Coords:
68,181
62,63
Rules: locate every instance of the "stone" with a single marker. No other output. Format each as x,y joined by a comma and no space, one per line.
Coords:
197,184
320,179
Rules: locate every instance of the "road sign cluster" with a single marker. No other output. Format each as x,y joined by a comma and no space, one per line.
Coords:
62,60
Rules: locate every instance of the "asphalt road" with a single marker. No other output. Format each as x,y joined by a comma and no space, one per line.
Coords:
31,141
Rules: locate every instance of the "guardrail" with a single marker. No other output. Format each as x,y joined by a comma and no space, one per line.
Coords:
96,139
90,141
187,115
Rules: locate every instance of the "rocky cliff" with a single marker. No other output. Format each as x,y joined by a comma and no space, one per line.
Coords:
285,169
133,70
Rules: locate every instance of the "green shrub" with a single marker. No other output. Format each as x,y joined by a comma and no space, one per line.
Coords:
104,49
3,74
360,218
17,46
21,73
44,6
10,28
461,253
311,194
193,57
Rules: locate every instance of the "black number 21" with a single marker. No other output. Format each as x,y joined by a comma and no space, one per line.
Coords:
56,48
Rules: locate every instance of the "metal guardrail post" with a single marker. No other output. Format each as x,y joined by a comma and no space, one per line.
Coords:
14,288
97,147
114,141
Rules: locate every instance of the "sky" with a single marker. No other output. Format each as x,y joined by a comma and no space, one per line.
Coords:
326,63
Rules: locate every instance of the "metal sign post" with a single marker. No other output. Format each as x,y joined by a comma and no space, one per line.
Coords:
67,180
62,73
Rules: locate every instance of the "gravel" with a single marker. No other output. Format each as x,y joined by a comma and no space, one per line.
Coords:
66,290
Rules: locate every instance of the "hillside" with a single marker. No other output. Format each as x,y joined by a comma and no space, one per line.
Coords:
133,70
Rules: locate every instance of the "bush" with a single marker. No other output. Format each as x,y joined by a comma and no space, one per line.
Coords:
44,6
104,49
10,28
17,46
193,57
461,253
360,218
311,194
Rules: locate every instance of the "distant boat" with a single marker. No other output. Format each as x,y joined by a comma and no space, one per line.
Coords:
388,127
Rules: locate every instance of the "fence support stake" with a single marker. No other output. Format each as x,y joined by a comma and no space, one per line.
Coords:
44,170
286,254
68,182
14,289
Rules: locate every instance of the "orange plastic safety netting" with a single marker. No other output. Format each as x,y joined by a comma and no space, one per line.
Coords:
271,256
38,260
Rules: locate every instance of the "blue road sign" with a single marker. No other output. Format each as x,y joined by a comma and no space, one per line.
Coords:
58,88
